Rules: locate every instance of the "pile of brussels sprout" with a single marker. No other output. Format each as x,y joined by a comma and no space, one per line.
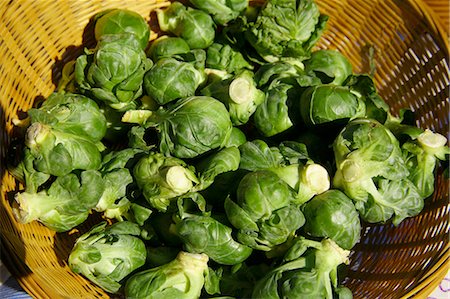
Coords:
227,156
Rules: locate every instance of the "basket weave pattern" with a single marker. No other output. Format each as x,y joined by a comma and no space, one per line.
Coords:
38,37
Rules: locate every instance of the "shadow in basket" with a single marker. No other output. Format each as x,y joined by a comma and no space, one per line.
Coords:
10,237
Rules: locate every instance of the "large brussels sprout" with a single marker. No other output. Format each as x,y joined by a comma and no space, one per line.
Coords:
113,71
181,278
286,29
333,215
188,128
311,273
64,205
264,211
117,20
71,113
372,172
106,255
195,26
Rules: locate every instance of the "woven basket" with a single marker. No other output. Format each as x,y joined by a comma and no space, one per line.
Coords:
411,53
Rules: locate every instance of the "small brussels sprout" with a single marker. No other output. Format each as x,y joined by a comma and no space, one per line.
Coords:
264,212
181,278
333,215
223,57
195,26
106,255
163,178
113,72
170,79
204,234
239,94
326,103
116,21
167,46
329,65
223,11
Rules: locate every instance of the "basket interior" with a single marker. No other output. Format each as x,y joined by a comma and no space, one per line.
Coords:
38,37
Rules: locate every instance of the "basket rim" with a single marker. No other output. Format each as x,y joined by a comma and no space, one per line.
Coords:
422,290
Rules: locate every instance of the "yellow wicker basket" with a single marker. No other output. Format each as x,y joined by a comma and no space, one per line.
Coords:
411,53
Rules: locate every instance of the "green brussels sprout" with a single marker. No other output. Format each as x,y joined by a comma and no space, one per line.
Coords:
222,161
190,127
106,255
181,278
286,29
116,21
304,274
329,65
195,26
264,212
163,178
64,205
113,71
170,79
333,215
371,170
204,234
71,113
327,103
223,57
237,138
58,153
273,115
290,162
239,94
167,46
222,11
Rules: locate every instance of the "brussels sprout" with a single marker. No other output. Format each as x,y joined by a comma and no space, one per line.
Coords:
106,255
223,11
167,46
170,79
71,113
162,178
182,278
372,172
272,116
204,234
326,103
333,215
64,205
304,274
329,65
264,212
237,138
115,21
225,160
195,26
223,57
113,72
239,94
188,128
306,178
286,29
58,153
